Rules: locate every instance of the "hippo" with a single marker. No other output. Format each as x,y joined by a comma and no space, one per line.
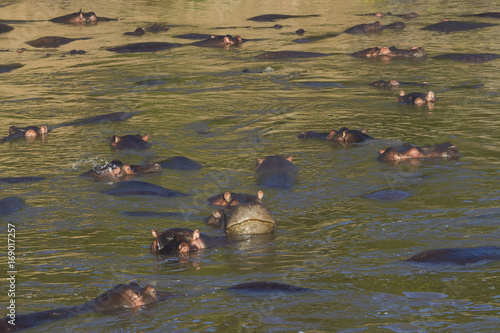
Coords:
75,52
264,286
276,171
487,14
130,142
220,41
16,132
52,41
242,218
9,205
343,135
468,57
114,116
387,195
179,163
17,180
395,84
121,296
407,151
134,187
373,27
137,32
290,54
182,240
5,28
274,17
459,256
193,36
79,18
453,26
417,98
9,67
231,199
415,52
143,47
157,27
116,169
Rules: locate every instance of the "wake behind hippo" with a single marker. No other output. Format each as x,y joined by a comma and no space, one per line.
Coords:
468,57
373,27
454,26
52,41
264,286
114,116
276,171
459,256
274,17
122,296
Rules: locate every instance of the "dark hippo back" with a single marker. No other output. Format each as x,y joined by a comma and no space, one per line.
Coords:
276,171
460,256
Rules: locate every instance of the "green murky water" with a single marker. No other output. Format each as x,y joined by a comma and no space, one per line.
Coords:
73,241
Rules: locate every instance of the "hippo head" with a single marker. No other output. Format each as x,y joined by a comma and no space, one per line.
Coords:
176,240
230,41
114,169
249,218
126,296
404,151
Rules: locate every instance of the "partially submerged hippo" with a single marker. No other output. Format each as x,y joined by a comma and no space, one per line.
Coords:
395,84
116,169
52,41
130,142
122,296
290,54
179,163
231,199
134,187
9,67
242,217
16,132
182,240
276,171
453,26
79,18
390,52
468,57
114,116
373,27
220,41
408,151
264,286
9,205
5,28
274,17
343,135
417,98
143,47
460,256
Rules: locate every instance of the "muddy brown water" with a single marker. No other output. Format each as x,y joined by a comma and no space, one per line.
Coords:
74,241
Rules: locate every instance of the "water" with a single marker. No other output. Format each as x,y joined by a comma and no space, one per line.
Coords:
73,242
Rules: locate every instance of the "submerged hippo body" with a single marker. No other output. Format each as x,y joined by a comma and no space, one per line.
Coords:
10,205
52,41
79,18
16,132
343,135
220,41
453,26
5,28
373,27
290,54
408,151
460,256
180,163
114,116
267,287
130,142
417,98
122,296
134,187
143,47
468,57
274,17
276,171
9,67
182,240
242,215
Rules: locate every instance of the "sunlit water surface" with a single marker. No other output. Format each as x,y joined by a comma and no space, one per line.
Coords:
73,241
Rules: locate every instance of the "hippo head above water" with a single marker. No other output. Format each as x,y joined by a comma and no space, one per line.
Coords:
182,240
130,142
409,151
29,131
125,296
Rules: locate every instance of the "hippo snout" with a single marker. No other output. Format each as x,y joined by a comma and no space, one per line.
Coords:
250,218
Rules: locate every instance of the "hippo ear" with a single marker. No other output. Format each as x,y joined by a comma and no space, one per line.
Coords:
260,195
289,158
430,96
115,139
402,93
413,152
259,161
196,234
216,214
145,137
154,233
364,131
227,197
382,151
44,130
227,40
